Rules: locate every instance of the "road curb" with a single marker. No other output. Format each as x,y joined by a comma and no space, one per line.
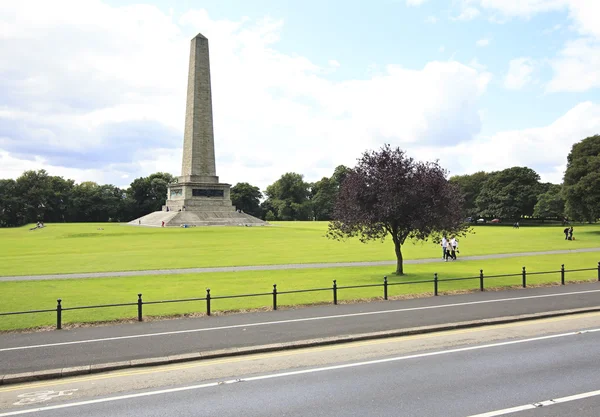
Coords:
11,379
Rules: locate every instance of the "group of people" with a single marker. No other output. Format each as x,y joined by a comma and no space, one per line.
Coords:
449,248
569,233
39,225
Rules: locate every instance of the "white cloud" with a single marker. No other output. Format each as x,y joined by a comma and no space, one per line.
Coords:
474,63
544,149
333,63
483,42
431,19
442,48
520,73
585,13
415,2
468,13
109,103
522,8
577,68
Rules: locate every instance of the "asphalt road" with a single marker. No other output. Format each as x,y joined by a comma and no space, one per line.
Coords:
24,352
470,373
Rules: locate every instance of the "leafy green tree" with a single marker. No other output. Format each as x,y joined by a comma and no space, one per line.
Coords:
268,210
509,194
324,192
11,205
339,174
550,204
391,194
581,185
323,195
43,197
470,186
247,198
147,194
289,197
58,200
91,202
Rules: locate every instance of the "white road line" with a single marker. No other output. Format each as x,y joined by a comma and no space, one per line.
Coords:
270,323
305,371
538,405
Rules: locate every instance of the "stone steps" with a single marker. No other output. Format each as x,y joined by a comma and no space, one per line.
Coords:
198,218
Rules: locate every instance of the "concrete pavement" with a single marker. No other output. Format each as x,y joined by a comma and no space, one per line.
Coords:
141,343
281,267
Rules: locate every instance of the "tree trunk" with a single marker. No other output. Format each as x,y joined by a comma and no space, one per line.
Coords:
399,260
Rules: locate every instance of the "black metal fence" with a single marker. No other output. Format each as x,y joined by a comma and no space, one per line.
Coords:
335,288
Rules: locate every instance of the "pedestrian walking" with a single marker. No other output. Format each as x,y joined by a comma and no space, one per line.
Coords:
444,245
454,246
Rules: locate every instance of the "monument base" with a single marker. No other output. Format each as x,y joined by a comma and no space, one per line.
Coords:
193,203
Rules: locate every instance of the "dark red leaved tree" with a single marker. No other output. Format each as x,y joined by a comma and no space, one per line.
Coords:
388,193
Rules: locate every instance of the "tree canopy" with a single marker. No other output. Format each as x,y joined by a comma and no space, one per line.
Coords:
550,204
582,180
470,186
287,197
247,198
509,194
388,193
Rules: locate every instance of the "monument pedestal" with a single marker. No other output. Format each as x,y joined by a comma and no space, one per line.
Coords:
198,204
198,196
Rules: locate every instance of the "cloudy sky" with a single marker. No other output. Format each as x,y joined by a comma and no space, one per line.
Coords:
95,90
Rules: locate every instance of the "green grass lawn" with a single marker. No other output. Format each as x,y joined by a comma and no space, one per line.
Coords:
68,248
26,295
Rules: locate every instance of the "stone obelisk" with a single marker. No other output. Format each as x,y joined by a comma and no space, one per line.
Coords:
198,198
198,138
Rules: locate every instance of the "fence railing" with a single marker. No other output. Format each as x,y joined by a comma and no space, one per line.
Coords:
335,288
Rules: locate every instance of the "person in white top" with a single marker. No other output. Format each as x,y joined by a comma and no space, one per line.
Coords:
444,245
454,247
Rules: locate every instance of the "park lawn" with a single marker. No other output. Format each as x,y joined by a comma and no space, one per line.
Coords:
83,247
28,295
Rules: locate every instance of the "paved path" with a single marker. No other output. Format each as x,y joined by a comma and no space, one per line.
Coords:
25,352
280,267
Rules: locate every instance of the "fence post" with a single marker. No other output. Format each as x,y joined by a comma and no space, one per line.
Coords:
562,274
435,284
385,289
481,279
58,314
208,301
274,296
598,270
335,292
524,278
140,307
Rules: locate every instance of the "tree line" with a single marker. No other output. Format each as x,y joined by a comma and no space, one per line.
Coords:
38,196
517,192
510,194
